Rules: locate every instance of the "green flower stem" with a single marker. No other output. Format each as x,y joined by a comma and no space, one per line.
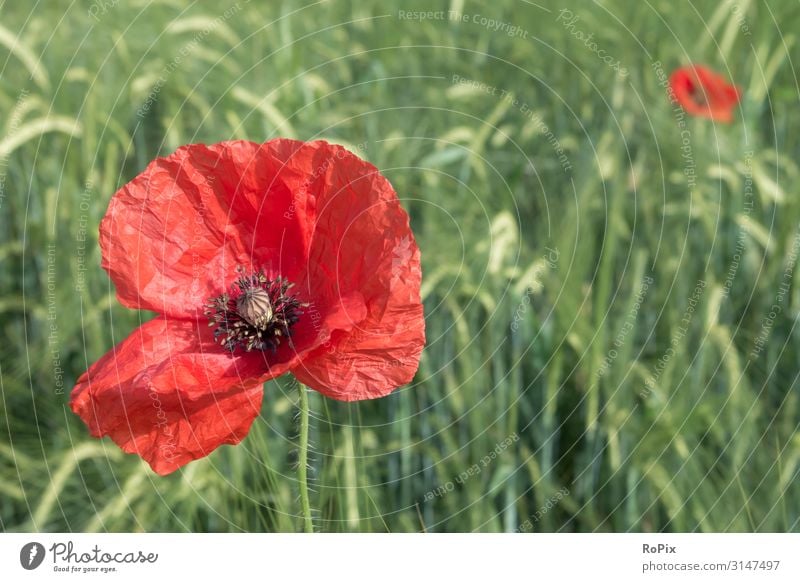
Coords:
302,461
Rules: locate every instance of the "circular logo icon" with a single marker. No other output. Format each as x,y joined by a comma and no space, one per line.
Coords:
31,555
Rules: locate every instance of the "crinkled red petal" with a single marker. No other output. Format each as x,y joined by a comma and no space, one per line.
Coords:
168,394
361,243
175,234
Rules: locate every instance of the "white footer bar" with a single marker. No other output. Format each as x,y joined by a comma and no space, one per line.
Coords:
401,557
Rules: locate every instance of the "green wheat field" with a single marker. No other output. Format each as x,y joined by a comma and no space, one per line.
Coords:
612,315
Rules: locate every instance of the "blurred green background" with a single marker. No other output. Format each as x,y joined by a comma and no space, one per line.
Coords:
611,310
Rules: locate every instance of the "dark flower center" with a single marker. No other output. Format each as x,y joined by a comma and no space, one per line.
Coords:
256,314
699,94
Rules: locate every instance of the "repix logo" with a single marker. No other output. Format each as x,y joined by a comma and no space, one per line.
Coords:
31,555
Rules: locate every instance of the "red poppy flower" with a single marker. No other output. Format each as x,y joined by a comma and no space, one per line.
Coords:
260,259
704,93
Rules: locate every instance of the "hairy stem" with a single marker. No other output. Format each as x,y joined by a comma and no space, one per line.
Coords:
302,460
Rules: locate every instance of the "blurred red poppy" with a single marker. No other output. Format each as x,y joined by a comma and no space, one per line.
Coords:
704,93
259,259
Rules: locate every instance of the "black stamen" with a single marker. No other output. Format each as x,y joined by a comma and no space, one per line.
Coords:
256,314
